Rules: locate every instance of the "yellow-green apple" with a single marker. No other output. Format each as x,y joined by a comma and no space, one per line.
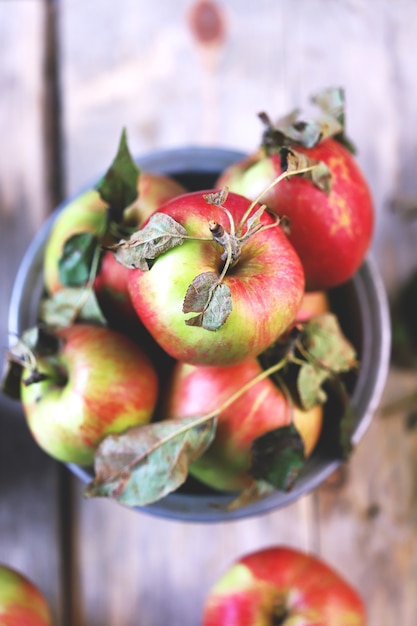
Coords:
282,586
98,381
331,231
197,390
247,304
88,213
21,601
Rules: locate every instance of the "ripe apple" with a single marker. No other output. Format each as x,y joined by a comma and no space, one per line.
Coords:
313,303
99,382
21,602
285,586
196,390
330,231
87,213
266,284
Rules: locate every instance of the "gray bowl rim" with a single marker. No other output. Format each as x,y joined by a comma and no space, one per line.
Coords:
367,392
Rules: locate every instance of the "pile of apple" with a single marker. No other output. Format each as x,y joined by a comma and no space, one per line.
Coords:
190,332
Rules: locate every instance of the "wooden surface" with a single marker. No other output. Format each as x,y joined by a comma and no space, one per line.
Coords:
72,74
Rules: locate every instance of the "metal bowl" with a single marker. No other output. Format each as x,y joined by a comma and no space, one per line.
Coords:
362,308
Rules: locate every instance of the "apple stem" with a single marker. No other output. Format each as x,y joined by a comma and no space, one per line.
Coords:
239,392
213,414
278,179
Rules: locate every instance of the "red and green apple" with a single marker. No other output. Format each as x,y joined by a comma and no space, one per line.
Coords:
88,213
265,285
97,382
331,231
196,390
282,586
21,602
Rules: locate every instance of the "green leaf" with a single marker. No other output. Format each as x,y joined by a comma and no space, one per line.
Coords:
310,380
278,457
69,305
145,463
77,259
119,186
329,354
210,299
160,234
324,339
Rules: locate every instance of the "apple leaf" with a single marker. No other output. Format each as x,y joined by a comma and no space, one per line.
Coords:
278,457
35,341
257,490
69,305
292,130
160,234
328,353
254,221
332,102
145,463
320,175
76,261
209,298
119,186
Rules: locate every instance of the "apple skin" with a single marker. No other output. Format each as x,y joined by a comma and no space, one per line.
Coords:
100,382
266,286
331,232
21,602
196,390
285,586
313,303
88,213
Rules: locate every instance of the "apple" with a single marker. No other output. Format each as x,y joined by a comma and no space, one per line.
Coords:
21,602
196,390
313,303
330,231
87,213
265,285
97,382
282,586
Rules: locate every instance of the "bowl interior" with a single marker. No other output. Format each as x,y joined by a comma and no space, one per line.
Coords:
360,304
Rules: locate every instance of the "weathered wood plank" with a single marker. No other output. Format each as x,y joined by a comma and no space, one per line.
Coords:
29,515
368,520
134,566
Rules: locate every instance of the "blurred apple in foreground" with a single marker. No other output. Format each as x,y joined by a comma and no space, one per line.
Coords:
21,602
281,586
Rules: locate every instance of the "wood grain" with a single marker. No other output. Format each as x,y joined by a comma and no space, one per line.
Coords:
29,480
